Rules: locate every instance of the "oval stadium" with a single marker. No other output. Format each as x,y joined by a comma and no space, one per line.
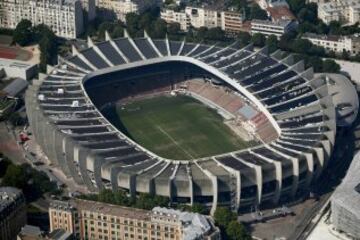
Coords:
128,114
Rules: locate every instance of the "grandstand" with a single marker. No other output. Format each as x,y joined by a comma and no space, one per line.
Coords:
288,109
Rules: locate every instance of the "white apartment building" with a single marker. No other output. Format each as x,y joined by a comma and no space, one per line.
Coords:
171,16
277,28
228,21
122,7
347,11
64,17
338,44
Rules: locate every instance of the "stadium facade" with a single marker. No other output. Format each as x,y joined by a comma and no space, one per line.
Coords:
64,111
345,212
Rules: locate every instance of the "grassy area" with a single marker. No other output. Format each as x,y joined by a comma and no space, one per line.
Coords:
176,127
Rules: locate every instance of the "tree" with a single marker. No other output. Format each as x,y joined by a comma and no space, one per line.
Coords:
106,196
301,45
158,29
315,62
132,20
272,43
237,231
345,55
258,39
296,5
23,32
121,198
244,38
198,208
117,32
173,28
48,48
223,216
308,13
335,28
15,176
257,13
40,31
103,27
215,34
331,66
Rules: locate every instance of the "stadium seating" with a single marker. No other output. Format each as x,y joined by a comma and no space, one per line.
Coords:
291,111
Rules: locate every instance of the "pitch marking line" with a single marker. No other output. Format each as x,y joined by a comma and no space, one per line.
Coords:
174,141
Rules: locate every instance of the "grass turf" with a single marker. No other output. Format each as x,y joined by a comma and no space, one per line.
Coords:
177,127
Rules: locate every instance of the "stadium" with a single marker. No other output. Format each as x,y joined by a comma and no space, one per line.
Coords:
128,114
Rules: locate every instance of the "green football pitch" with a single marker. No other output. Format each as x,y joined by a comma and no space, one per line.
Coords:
178,127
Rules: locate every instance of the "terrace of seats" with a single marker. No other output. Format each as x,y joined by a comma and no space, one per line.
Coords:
277,85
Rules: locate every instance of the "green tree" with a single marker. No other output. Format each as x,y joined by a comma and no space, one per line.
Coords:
237,231
158,29
103,27
199,208
258,39
40,31
244,38
106,196
132,20
173,28
48,48
308,13
335,28
272,43
117,32
296,5
345,55
223,216
331,66
257,13
301,45
121,198
15,176
23,32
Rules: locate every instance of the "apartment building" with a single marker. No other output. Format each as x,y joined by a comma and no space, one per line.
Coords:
12,212
171,16
277,28
338,44
94,220
119,8
346,11
228,21
64,17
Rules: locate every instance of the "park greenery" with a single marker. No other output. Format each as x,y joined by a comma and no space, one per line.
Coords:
33,183
25,34
230,227
121,198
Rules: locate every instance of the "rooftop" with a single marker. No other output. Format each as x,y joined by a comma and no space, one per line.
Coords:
334,38
281,22
113,210
280,13
8,195
14,64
